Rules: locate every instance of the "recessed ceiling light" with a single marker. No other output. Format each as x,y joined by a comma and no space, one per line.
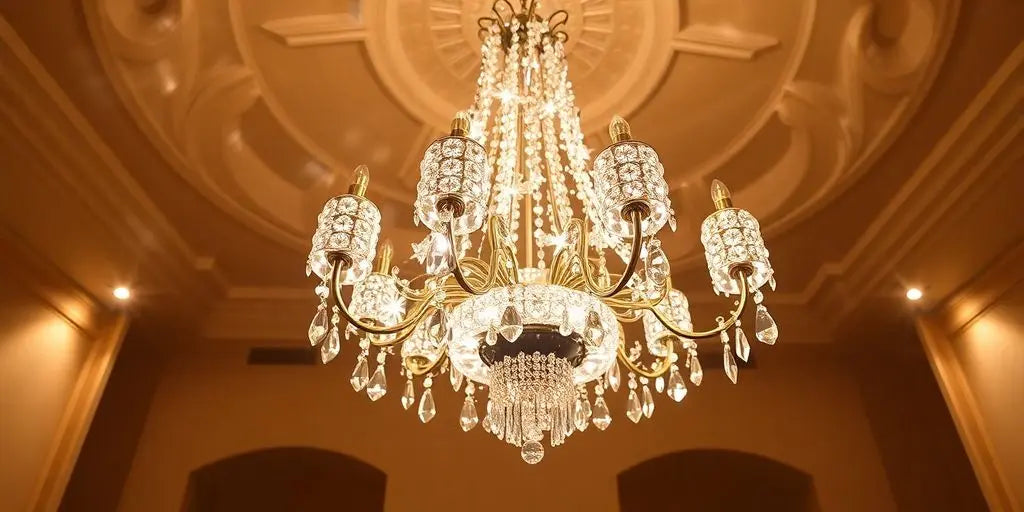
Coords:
122,293
914,293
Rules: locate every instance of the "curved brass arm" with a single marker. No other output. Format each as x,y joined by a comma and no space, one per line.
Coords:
693,335
418,369
634,258
658,369
492,268
414,317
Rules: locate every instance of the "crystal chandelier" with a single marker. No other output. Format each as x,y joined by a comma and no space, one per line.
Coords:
535,321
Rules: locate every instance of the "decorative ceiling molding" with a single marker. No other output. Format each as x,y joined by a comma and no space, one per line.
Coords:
316,30
720,41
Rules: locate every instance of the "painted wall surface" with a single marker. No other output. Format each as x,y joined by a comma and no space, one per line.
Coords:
41,357
799,407
990,350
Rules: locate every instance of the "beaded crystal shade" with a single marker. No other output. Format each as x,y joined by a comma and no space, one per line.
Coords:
517,304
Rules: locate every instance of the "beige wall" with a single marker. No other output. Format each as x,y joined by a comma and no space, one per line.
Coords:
990,350
799,407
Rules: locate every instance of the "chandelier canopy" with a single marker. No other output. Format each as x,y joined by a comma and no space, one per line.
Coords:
535,319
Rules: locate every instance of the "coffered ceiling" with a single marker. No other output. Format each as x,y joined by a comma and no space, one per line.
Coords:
842,125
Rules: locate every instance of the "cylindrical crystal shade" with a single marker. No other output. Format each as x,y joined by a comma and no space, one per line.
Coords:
377,298
731,238
420,344
348,226
454,167
630,172
674,307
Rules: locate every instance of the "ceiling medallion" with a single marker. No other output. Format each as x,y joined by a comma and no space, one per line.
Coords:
536,319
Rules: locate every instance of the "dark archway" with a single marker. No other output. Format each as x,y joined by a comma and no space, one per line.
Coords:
286,479
720,480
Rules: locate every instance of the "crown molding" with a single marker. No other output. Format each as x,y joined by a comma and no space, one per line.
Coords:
316,30
724,42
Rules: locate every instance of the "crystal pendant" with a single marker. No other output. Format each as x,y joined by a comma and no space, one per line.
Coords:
648,405
602,418
329,350
656,263
613,376
378,384
455,377
659,384
437,324
511,325
696,372
580,418
742,345
440,259
468,418
676,386
672,221
633,408
319,326
408,395
565,327
729,364
764,326
491,337
593,333
427,410
532,452
360,375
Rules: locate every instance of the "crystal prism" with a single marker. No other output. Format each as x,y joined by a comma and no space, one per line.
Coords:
511,325
676,386
468,418
408,395
593,332
729,364
764,326
696,372
360,375
648,405
565,326
378,384
329,350
319,326
613,376
634,411
455,377
437,324
742,345
491,337
659,384
532,452
440,259
427,410
656,265
579,417
602,418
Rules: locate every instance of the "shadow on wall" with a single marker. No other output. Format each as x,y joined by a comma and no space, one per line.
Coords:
722,480
291,478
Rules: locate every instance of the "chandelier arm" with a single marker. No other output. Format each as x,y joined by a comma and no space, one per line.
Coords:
634,258
460,277
420,370
401,337
416,315
659,368
741,276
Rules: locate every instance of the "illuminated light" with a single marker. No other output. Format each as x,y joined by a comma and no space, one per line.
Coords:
914,294
122,293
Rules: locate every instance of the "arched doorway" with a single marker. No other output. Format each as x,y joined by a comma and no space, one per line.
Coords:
720,480
286,479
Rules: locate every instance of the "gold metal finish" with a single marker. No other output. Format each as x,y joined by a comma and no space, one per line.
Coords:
460,125
387,251
619,130
358,187
720,195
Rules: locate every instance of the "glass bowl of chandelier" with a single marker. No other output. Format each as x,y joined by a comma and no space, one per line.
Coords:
532,325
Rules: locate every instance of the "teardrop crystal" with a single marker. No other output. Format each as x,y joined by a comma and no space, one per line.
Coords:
491,337
614,377
593,332
659,384
676,386
565,326
455,377
360,375
634,411
742,345
729,364
319,326
579,414
602,418
511,325
468,418
764,326
408,395
696,372
437,324
648,405
532,452
329,350
672,222
427,410
656,264
440,259
378,385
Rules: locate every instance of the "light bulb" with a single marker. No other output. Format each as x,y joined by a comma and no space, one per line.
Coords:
914,294
720,195
122,293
